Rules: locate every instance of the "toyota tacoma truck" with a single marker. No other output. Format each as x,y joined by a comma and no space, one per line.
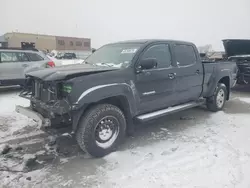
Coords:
123,83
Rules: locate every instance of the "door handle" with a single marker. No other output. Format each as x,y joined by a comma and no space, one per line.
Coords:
171,75
197,71
25,65
146,73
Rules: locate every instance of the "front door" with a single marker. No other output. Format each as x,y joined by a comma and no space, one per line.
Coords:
189,73
156,86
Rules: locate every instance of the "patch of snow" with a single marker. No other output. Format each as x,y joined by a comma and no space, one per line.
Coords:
41,152
164,129
66,134
9,101
110,65
12,123
64,160
192,162
22,136
244,99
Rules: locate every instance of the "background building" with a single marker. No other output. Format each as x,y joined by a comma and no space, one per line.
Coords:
47,42
3,42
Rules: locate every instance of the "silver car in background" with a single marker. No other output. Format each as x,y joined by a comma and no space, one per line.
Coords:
15,63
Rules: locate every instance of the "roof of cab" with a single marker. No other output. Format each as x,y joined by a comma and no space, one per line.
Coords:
144,41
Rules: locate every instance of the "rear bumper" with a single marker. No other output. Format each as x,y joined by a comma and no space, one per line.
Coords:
27,111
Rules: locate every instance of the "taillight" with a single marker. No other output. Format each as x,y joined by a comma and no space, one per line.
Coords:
51,64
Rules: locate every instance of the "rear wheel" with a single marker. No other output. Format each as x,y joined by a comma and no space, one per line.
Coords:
217,102
101,130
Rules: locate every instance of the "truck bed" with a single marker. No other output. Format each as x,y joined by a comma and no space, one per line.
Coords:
212,68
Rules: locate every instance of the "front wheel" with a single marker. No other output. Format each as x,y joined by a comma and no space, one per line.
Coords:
217,101
101,130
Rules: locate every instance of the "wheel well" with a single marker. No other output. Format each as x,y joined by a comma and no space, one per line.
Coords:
225,80
119,101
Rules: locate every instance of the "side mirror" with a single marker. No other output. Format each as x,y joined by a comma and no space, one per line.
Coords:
148,63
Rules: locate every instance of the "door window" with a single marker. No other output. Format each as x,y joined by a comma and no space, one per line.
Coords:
161,53
22,57
8,57
184,54
34,57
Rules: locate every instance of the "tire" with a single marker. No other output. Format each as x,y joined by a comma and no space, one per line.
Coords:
101,129
217,101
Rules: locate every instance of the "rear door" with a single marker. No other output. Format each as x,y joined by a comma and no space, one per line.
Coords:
12,64
156,86
189,73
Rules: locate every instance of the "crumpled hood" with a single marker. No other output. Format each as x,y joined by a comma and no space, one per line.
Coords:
236,47
64,72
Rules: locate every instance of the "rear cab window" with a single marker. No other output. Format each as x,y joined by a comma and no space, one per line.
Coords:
34,57
185,54
161,53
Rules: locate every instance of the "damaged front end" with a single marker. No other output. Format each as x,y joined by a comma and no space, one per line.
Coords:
49,104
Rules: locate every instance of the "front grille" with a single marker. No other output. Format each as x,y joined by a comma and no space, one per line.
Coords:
37,87
44,91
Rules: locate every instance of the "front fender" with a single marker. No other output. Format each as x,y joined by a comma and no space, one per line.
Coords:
100,92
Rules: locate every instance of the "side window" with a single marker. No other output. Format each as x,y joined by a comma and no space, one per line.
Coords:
161,53
8,57
184,54
34,57
22,57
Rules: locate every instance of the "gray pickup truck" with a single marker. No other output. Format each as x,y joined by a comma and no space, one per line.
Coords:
124,82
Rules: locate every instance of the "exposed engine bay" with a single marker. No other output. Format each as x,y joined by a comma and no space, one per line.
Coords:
48,98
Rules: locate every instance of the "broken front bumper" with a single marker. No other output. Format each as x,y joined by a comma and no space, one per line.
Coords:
27,111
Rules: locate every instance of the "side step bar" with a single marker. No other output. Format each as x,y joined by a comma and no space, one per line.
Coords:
169,110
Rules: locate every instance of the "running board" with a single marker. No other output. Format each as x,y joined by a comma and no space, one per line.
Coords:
170,110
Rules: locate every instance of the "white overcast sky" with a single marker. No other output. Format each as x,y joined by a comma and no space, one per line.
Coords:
104,21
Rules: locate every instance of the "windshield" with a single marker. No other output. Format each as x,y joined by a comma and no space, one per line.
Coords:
114,55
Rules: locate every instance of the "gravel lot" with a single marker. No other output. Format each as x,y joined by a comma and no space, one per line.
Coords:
194,148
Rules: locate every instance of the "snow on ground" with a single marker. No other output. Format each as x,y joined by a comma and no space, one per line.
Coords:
11,123
9,100
203,150
244,99
14,126
207,155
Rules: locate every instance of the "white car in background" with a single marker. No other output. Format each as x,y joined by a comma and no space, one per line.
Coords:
15,63
80,56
